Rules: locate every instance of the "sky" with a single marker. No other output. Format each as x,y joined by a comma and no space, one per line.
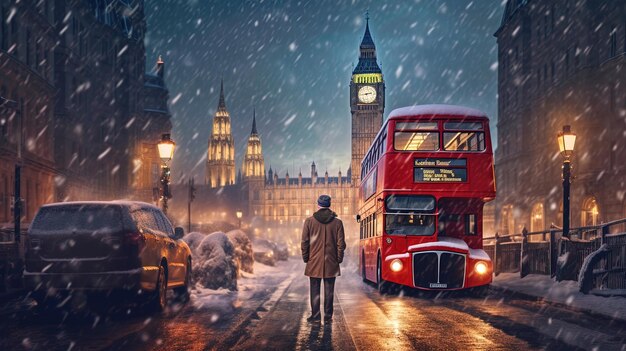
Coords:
292,61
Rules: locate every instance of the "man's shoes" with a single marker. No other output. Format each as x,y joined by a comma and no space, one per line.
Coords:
313,319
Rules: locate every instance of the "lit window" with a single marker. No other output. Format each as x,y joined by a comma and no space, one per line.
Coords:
537,218
590,212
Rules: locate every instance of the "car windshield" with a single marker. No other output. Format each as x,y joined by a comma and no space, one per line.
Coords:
410,215
78,218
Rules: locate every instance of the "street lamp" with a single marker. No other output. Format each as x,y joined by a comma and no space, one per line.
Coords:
166,152
239,214
566,140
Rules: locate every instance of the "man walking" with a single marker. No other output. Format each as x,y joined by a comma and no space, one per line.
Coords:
323,244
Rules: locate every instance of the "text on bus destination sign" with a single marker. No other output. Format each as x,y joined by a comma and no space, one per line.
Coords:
440,170
440,162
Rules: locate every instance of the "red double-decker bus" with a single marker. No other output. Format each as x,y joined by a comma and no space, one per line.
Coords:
424,182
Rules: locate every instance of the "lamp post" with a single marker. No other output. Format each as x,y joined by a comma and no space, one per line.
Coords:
239,214
166,152
566,140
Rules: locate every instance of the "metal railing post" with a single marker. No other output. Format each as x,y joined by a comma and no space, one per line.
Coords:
523,264
551,254
496,250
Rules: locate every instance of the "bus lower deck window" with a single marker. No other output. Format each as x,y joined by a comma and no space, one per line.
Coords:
410,224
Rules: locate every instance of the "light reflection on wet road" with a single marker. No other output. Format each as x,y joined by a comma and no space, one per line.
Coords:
271,314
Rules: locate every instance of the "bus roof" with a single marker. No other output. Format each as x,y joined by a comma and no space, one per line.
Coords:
427,110
445,110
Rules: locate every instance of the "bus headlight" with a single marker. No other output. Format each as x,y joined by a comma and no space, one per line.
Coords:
480,267
396,265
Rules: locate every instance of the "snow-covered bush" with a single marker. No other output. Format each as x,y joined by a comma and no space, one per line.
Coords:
193,239
243,250
214,263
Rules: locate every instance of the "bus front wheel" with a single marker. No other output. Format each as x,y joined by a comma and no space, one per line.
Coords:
381,284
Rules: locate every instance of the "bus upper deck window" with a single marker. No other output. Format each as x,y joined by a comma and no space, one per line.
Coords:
416,136
463,136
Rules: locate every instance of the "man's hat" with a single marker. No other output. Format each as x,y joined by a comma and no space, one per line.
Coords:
323,201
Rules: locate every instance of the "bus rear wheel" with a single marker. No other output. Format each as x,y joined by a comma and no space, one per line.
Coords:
363,274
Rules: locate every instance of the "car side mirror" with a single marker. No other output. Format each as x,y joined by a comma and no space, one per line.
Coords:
358,218
179,232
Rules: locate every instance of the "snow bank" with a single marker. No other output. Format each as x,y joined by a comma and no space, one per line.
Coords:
263,252
214,264
565,292
244,256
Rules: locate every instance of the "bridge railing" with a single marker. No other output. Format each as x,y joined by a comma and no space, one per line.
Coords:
538,253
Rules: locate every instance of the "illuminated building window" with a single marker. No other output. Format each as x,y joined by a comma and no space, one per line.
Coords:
507,222
590,212
537,222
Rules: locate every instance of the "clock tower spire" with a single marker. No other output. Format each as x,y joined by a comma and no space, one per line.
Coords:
367,101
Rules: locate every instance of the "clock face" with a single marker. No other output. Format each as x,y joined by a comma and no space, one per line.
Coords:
367,94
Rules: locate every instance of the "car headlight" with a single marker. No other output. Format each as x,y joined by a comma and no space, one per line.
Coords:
396,265
480,267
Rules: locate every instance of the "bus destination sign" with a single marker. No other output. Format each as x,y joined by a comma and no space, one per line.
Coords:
440,170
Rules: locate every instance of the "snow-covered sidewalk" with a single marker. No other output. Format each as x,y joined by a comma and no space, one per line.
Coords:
564,293
264,278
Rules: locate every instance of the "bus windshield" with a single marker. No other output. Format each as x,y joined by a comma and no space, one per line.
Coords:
410,215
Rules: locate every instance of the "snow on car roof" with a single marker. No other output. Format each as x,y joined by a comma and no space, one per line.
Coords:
126,203
450,110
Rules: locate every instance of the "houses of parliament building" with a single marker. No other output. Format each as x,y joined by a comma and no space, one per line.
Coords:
283,201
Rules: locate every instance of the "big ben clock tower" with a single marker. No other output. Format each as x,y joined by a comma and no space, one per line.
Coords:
367,102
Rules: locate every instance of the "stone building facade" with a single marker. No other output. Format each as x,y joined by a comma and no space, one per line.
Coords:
220,167
154,121
560,63
76,70
27,89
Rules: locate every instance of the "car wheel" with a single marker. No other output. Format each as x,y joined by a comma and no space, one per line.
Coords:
159,296
182,293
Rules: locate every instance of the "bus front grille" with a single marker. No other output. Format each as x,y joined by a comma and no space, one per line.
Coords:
438,270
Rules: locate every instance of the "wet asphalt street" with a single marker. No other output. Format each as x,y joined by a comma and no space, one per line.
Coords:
269,312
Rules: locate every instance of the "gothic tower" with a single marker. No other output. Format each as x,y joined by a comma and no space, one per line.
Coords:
253,165
253,172
367,102
220,168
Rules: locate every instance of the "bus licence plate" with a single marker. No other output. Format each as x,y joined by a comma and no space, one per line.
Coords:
438,285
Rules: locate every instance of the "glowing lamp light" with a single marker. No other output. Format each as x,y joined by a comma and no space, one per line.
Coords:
239,214
480,267
396,265
566,140
166,148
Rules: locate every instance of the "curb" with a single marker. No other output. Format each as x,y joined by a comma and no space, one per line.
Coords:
531,297
236,332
